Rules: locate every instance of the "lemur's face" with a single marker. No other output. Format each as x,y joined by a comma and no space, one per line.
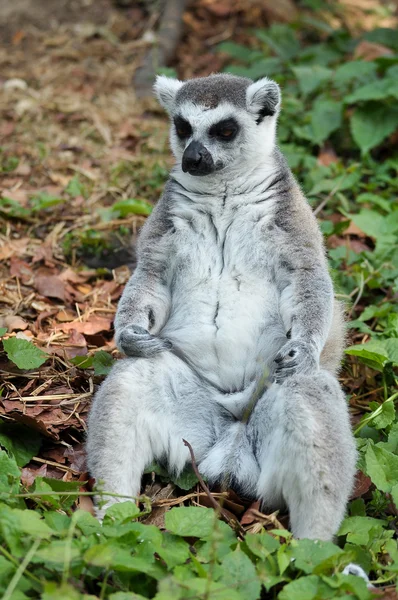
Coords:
219,121
206,140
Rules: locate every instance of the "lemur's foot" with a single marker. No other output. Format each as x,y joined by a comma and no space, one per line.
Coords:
137,341
295,357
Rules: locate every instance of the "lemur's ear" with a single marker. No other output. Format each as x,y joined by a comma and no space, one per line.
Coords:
263,98
166,90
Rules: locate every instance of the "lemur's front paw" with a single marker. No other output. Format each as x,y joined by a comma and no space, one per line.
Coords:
295,357
137,341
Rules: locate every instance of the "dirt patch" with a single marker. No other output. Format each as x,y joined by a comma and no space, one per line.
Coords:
47,15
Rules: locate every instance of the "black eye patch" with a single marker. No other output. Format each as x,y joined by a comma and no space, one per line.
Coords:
225,130
183,128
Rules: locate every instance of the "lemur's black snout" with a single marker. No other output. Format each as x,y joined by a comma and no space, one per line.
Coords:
197,160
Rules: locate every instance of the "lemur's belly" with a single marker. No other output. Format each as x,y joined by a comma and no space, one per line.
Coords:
226,319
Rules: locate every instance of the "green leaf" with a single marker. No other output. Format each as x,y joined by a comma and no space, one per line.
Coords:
126,596
24,521
371,124
187,479
7,569
376,353
281,39
383,414
59,522
373,359
22,443
374,199
382,467
394,494
121,512
305,588
102,362
44,485
237,51
3,331
384,36
260,68
192,521
12,208
326,117
311,78
261,544
75,188
53,591
43,200
24,354
376,90
239,574
355,70
358,529
109,555
376,225
392,442
309,554
134,206
354,585
56,552
174,551
337,184
82,362
9,476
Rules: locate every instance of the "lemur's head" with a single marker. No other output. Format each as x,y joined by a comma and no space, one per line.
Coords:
219,121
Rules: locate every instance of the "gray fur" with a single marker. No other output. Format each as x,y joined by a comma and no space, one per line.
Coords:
210,91
233,336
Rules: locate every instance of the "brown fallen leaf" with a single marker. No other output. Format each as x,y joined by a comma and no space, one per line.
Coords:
10,248
86,503
362,485
370,51
64,316
14,323
50,286
352,229
327,156
6,128
45,253
29,474
19,268
73,277
355,245
157,517
95,324
249,516
76,456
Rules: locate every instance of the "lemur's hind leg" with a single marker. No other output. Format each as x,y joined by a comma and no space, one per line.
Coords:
141,413
302,439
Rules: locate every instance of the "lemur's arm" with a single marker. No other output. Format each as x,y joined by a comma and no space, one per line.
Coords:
145,303
306,300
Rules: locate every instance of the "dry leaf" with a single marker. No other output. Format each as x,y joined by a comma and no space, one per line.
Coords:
14,323
19,268
29,474
93,325
370,51
362,485
10,248
51,286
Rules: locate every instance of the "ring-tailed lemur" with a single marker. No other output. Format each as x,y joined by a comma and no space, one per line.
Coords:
231,284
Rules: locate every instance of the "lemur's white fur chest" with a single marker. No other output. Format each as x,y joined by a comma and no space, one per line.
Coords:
223,293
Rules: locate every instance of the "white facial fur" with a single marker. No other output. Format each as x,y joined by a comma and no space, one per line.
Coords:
254,141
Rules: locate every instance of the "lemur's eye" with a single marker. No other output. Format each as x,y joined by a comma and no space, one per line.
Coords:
224,130
226,133
183,128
